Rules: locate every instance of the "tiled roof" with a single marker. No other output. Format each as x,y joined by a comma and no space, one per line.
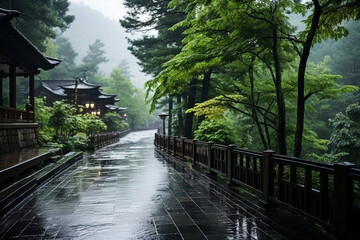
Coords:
82,84
106,96
113,108
57,90
17,48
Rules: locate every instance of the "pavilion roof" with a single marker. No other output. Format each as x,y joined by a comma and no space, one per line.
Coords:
116,108
57,90
106,96
16,48
82,84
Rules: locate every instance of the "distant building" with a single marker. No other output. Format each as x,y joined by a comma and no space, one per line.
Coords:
79,92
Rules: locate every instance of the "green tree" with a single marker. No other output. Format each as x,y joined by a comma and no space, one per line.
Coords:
323,23
39,19
114,122
345,139
95,56
220,32
153,51
67,69
217,131
130,97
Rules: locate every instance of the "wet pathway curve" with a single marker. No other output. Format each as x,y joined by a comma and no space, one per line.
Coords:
126,191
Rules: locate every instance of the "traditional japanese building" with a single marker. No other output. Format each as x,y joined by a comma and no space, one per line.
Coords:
80,93
18,58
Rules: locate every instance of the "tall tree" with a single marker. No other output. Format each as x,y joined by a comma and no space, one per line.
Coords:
95,56
160,44
130,97
67,68
323,23
39,19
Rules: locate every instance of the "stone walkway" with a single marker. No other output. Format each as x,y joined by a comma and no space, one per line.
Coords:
126,191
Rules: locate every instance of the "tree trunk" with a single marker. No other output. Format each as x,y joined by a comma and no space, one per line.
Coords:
190,104
170,115
281,129
180,116
205,91
253,106
301,79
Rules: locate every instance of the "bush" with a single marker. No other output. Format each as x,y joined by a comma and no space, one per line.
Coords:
62,126
114,122
217,131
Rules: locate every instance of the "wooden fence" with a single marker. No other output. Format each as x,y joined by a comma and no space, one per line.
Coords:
327,193
103,139
11,115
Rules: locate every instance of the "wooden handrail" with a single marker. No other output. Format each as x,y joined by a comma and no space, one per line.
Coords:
307,187
15,115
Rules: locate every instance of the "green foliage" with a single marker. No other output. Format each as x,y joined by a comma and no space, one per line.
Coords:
67,69
42,116
114,122
60,125
153,51
218,131
95,56
215,107
130,97
62,120
91,124
345,139
255,53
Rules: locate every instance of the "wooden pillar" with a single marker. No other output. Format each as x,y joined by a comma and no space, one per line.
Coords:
32,91
209,155
1,89
268,180
343,198
230,162
32,95
194,152
12,86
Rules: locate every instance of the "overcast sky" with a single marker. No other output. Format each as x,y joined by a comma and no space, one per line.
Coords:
112,9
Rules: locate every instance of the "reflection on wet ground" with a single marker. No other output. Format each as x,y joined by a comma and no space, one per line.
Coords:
125,191
15,157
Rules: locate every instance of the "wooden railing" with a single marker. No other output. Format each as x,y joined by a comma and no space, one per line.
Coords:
327,193
12,115
103,139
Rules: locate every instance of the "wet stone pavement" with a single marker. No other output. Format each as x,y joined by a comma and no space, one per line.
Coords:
126,191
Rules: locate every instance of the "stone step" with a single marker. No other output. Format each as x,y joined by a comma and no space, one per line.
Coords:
17,191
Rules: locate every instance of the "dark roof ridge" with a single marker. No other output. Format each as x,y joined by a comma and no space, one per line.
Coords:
8,15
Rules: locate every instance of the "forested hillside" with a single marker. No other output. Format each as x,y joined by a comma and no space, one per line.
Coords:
90,25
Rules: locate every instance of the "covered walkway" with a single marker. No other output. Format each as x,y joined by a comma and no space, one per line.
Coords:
127,191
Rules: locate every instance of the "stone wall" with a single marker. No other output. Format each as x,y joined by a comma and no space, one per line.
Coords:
14,136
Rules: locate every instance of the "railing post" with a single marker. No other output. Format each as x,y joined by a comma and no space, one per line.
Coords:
209,154
183,147
343,198
174,146
168,144
194,152
230,162
268,180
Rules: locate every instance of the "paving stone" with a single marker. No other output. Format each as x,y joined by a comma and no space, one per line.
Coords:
127,191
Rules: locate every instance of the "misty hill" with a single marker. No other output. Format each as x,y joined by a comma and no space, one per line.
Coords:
90,25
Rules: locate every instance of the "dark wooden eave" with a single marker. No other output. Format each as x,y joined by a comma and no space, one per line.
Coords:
16,49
